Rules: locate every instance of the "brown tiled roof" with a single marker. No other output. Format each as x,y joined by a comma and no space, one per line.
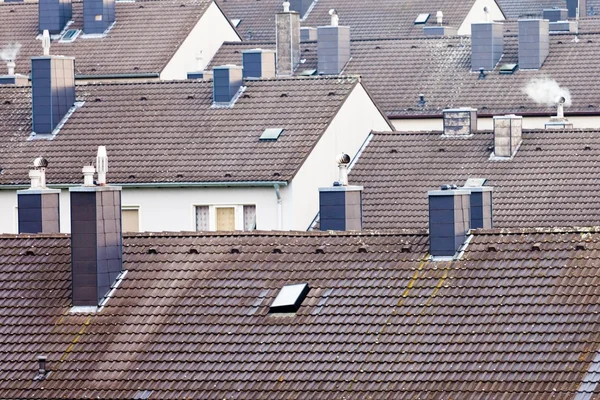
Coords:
509,320
552,180
168,132
397,71
528,8
144,38
376,19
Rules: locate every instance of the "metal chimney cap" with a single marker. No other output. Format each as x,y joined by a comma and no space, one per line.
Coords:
40,162
560,100
343,158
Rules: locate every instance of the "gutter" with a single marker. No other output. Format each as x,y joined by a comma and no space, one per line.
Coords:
119,76
160,185
490,115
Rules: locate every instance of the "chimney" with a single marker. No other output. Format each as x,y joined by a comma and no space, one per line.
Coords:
449,220
481,203
507,135
53,91
333,46
460,121
96,240
308,34
439,31
53,15
300,6
340,206
577,5
258,63
288,41
98,16
534,43
487,45
38,207
227,80
555,14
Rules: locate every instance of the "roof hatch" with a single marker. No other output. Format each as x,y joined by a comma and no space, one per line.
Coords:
290,298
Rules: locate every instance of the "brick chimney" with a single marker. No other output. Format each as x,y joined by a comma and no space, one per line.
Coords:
460,121
288,40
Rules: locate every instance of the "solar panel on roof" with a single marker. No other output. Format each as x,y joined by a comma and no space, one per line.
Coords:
271,134
421,19
508,68
289,298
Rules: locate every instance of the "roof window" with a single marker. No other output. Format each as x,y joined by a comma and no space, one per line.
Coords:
271,134
290,298
508,68
69,36
421,19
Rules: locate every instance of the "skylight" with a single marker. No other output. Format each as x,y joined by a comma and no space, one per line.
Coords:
70,36
508,68
290,298
421,19
271,134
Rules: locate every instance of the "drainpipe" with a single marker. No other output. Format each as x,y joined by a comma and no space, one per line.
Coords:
279,208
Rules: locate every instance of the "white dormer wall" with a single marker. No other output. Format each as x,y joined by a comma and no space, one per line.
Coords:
476,14
207,36
346,133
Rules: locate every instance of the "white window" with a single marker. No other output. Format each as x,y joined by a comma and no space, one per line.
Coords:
130,219
225,218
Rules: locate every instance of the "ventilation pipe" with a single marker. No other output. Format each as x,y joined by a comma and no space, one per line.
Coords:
343,160
559,121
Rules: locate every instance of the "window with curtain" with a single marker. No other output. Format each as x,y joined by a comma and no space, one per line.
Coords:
249,218
202,215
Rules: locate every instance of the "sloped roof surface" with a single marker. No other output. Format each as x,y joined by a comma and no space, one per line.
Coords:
528,8
376,19
509,320
169,132
552,180
397,71
144,38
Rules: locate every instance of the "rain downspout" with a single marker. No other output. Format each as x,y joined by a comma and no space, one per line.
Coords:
279,208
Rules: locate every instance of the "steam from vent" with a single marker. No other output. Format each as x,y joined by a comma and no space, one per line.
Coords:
10,51
546,91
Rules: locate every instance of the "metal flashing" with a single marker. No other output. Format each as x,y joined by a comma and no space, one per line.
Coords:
63,121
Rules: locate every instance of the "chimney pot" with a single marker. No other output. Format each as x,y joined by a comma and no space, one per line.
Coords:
101,165
286,6
343,160
334,17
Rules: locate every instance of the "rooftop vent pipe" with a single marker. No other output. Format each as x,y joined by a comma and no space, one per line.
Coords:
46,43
343,160
439,16
42,372
559,121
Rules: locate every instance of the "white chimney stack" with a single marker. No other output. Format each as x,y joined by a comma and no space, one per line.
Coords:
440,17
334,17
102,165
40,164
560,107
286,6
35,176
11,67
343,160
88,175
46,42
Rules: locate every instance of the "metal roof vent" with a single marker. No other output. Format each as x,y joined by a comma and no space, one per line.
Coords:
422,102
290,298
42,371
559,121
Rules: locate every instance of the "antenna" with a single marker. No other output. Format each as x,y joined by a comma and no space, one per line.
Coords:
286,6
102,165
334,17
440,17
46,42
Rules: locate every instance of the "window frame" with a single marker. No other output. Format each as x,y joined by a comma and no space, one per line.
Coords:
212,215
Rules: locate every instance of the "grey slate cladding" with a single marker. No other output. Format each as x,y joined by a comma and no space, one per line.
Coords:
258,63
481,207
487,45
98,15
440,31
96,242
227,80
38,211
288,42
340,208
534,43
308,34
53,15
333,49
195,75
300,6
556,14
53,91
449,221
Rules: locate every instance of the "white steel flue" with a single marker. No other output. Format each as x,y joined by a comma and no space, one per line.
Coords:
102,165
11,67
46,42
286,6
343,160
334,17
560,108
88,175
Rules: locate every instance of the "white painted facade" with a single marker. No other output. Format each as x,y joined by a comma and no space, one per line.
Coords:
173,208
437,124
476,14
207,36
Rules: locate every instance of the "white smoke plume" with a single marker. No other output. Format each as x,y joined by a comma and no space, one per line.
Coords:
546,91
10,51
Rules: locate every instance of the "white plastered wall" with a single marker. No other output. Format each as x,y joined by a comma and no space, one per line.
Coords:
476,14
357,117
210,32
164,209
436,124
